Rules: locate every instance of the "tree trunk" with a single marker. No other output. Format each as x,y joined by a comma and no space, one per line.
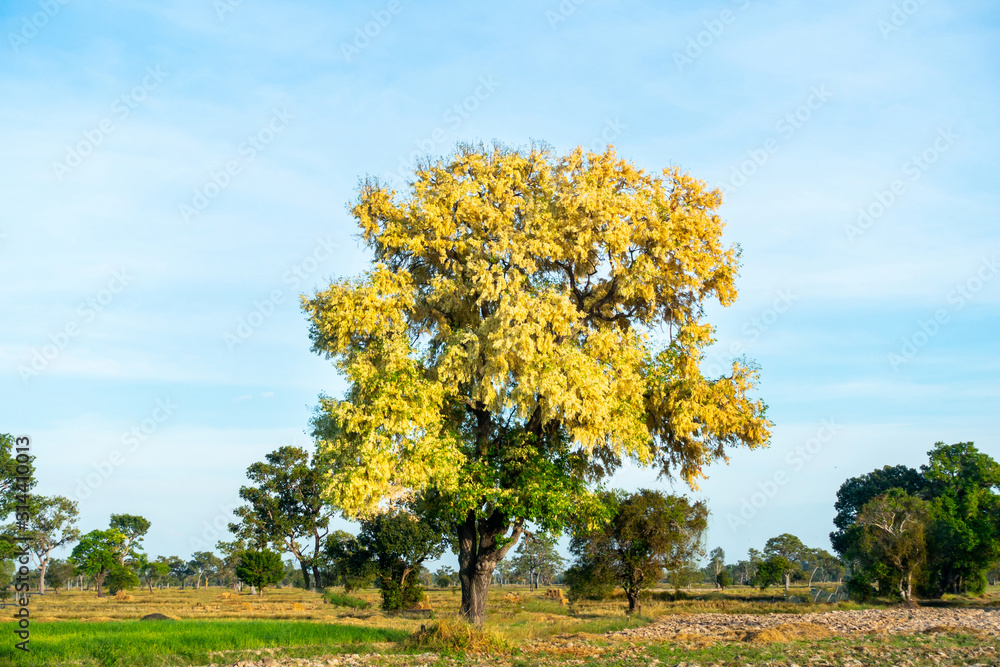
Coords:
478,554
43,566
317,582
100,584
634,606
305,573
788,582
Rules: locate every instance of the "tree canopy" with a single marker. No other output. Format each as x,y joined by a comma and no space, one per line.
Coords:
499,355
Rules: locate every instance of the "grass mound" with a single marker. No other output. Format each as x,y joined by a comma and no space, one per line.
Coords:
787,632
450,635
344,600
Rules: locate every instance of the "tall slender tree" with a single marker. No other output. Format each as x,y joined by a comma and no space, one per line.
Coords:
285,507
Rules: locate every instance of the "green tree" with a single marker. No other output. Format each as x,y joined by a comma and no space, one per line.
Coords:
348,563
444,577
203,564
856,492
790,548
58,573
716,563
121,578
772,570
892,528
285,507
647,532
51,524
537,559
722,579
151,571
15,485
964,537
498,353
260,568
97,554
397,542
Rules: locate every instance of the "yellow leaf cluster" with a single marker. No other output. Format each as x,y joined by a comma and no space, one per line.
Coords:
524,285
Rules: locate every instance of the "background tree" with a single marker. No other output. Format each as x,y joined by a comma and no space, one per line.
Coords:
133,528
348,563
285,506
856,492
497,352
58,573
892,528
151,571
790,548
537,559
97,554
964,537
646,533
51,525
397,542
444,577
260,569
179,569
716,563
772,570
722,579
204,564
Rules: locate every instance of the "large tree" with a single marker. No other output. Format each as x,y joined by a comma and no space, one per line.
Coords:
891,529
285,507
98,553
857,491
790,548
964,536
647,532
499,355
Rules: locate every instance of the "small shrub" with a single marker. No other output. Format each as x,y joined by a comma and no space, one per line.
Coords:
455,635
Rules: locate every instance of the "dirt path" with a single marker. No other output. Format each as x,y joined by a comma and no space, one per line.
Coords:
867,621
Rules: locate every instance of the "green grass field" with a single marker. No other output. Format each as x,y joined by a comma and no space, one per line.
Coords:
185,642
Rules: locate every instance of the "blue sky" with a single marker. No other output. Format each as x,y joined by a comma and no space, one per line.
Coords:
175,174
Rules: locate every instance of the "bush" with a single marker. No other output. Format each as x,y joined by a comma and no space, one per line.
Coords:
455,635
120,578
260,569
343,600
722,579
396,597
587,584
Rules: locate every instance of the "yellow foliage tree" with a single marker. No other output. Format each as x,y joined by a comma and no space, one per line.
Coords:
498,353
